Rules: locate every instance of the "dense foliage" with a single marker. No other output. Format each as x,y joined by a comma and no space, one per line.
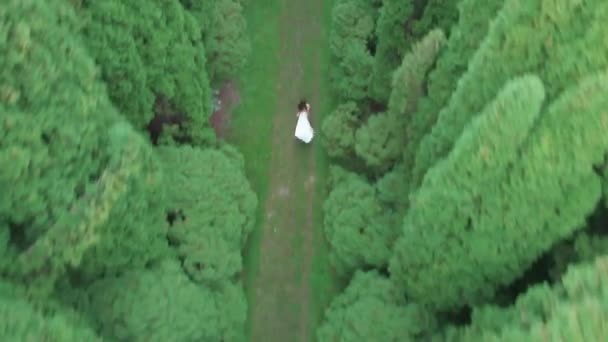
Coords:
213,208
94,236
576,309
372,309
472,133
467,200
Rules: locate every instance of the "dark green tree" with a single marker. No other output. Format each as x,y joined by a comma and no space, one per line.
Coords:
372,309
152,59
379,143
360,231
501,199
441,14
451,63
392,43
352,27
224,32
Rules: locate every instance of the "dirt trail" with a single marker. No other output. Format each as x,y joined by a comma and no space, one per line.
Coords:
282,291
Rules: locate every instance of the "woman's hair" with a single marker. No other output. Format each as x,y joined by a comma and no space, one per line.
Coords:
302,105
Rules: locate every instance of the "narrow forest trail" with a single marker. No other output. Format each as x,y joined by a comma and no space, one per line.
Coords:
280,309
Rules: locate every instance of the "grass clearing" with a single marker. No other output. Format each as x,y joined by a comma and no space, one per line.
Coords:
252,132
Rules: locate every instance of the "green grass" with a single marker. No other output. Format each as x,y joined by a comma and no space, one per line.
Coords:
252,130
251,125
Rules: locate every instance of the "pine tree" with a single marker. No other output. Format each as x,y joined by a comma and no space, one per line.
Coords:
21,321
360,231
212,208
499,200
73,167
224,32
163,304
559,42
152,59
352,27
371,309
576,309
380,141
338,131
392,44
451,63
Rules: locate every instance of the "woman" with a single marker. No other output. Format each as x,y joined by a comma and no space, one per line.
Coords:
304,131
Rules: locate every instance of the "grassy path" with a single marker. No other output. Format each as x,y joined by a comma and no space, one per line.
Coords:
287,276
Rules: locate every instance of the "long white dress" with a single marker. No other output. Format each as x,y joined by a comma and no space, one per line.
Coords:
304,131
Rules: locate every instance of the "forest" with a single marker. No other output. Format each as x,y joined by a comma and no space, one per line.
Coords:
469,184
466,196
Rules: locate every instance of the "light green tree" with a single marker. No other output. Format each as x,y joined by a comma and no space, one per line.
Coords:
163,304
73,168
380,141
451,62
21,321
392,43
501,198
560,42
213,210
338,131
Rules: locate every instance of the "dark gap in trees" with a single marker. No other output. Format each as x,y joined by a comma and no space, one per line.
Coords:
376,107
551,265
76,278
539,272
165,113
384,271
570,251
597,223
173,215
17,236
46,138
460,317
79,190
371,44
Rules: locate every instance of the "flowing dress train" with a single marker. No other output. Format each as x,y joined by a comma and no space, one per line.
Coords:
304,131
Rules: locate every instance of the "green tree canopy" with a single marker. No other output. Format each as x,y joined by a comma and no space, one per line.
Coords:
20,321
372,309
73,166
352,26
559,42
163,304
451,62
213,208
224,32
338,130
576,309
152,59
392,42
360,231
380,141
500,198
